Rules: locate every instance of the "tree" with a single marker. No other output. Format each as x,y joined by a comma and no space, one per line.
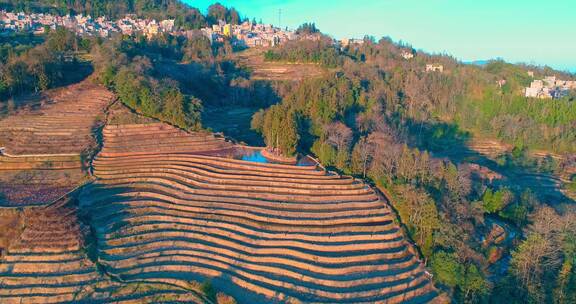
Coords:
280,130
446,268
420,210
540,256
495,202
325,152
340,137
473,284
307,28
61,40
173,108
217,12
362,155
198,48
257,122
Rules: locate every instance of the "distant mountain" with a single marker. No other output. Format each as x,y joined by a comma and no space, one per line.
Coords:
481,62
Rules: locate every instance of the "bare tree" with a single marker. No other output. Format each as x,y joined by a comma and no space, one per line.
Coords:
338,135
541,252
362,154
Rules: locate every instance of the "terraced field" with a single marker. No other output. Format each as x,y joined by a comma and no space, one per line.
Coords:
47,144
63,125
253,59
48,263
163,208
166,210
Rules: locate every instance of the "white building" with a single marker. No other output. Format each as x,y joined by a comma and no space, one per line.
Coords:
407,55
434,68
549,87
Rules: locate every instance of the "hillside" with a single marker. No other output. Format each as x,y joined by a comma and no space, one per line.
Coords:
277,231
168,208
253,59
463,154
51,261
47,145
421,178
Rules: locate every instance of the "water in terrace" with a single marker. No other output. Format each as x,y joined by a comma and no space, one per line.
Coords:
254,155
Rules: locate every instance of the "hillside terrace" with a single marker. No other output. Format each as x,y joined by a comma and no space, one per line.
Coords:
162,207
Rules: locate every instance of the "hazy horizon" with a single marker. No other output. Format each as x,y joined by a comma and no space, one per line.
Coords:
516,31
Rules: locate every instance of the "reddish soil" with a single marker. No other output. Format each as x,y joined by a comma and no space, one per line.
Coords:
47,144
162,207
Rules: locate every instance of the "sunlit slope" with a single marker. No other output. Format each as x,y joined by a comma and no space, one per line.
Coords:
62,125
163,208
49,263
47,144
253,60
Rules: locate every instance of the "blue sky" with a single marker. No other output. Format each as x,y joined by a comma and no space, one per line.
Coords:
531,31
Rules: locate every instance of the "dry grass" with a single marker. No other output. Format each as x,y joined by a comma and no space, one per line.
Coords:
222,298
49,142
270,229
11,226
121,115
253,59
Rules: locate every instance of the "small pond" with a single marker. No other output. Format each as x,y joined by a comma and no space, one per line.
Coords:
253,156
256,156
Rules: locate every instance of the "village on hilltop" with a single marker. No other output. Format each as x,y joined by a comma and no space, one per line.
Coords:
549,88
247,34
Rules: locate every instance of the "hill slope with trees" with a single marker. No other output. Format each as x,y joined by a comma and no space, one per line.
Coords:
386,118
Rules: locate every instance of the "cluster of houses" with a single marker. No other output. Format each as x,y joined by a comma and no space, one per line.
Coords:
550,88
247,34
81,25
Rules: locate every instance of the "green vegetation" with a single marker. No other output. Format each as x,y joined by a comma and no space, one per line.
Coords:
450,272
16,44
35,67
447,105
382,117
278,128
532,123
161,100
208,290
122,65
172,78
307,29
494,202
542,267
219,12
318,51
572,184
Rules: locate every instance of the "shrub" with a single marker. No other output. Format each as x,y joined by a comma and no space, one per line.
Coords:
222,298
446,268
494,202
